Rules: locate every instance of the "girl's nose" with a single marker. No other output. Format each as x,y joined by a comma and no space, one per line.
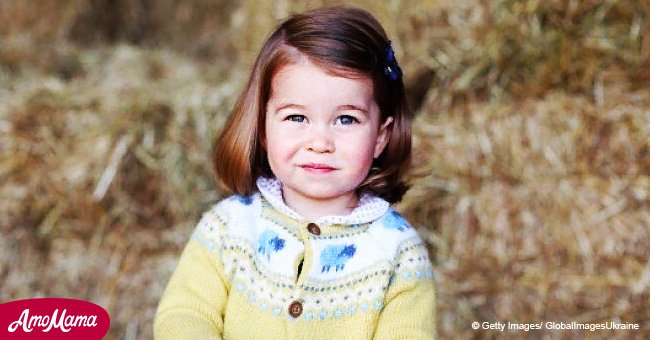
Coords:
321,142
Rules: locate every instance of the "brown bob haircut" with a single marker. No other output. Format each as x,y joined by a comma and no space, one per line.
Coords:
343,41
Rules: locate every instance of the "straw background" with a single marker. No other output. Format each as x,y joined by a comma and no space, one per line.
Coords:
531,181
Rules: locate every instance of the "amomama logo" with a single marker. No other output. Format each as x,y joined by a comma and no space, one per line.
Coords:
52,318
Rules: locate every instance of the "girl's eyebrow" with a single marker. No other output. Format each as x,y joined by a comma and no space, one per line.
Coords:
348,107
345,107
289,106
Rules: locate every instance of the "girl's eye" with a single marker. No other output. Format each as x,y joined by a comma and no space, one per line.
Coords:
347,120
296,118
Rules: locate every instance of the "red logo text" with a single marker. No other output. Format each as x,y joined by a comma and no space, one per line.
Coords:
53,318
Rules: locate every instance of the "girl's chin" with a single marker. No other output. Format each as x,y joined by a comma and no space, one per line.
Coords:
324,194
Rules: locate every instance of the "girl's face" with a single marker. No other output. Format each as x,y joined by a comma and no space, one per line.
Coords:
322,133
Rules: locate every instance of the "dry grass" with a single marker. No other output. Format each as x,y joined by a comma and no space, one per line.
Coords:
487,49
103,178
537,210
532,150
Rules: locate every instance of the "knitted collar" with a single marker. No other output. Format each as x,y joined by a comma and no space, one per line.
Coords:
369,209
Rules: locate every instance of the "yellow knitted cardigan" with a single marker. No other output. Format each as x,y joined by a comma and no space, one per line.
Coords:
255,269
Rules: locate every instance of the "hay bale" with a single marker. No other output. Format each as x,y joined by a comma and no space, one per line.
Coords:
537,210
103,177
485,49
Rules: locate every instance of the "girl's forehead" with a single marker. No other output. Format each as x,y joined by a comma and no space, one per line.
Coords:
307,71
300,60
306,81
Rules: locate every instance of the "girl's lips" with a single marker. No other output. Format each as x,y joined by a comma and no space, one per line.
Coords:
320,168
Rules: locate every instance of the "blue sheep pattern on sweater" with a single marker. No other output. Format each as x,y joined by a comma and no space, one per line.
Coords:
269,242
394,220
337,256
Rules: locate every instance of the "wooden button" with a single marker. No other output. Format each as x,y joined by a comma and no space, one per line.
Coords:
295,309
313,228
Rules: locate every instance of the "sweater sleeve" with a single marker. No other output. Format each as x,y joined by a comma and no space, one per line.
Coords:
193,304
409,310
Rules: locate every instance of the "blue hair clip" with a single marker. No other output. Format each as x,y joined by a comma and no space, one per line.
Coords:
391,69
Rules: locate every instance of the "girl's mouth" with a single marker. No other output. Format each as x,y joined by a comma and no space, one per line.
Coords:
317,168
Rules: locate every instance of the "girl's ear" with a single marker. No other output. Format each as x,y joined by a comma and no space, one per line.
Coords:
383,137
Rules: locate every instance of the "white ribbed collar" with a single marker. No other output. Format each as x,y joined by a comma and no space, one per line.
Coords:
369,209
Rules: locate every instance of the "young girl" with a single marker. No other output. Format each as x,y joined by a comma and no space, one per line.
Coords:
309,247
